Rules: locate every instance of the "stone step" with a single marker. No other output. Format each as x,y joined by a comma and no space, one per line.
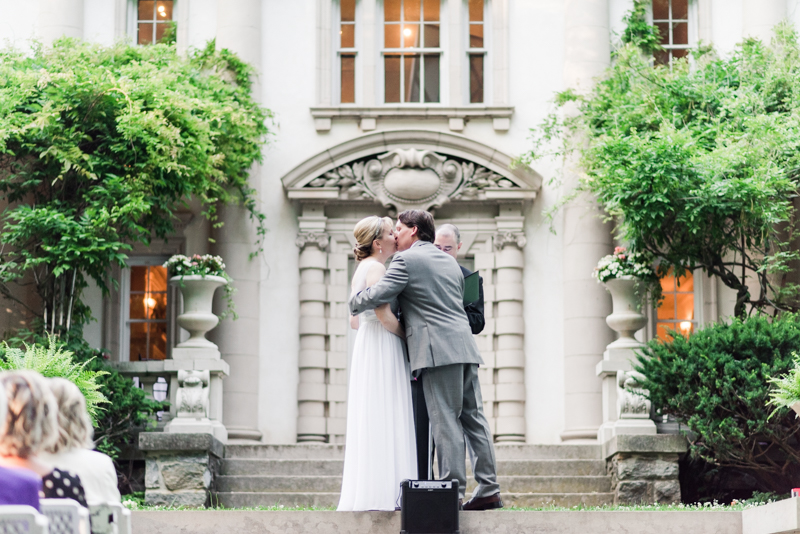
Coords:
324,467
314,484
503,451
303,451
331,500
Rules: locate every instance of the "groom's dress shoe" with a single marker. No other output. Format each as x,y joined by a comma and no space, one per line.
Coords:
484,503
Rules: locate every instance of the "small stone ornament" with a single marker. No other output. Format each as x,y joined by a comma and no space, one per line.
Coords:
193,394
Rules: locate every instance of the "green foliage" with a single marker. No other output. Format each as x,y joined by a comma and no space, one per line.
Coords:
785,390
52,360
101,146
697,163
717,382
638,32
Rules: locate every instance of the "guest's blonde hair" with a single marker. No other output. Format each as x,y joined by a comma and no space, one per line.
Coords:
31,423
366,231
74,426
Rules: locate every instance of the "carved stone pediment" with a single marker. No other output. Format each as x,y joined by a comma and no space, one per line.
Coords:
412,179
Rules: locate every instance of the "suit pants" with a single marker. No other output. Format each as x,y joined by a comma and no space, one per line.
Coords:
455,408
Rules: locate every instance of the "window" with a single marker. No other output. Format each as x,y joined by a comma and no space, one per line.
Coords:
152,20
146,314
476,50
347,51
411,51
676,311
671,17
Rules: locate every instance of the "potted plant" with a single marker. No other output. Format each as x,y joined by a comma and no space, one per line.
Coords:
785,392
198,277
629,277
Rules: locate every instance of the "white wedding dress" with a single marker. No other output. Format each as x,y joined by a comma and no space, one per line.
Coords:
380,450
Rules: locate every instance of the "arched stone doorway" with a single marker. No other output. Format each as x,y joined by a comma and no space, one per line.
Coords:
463,182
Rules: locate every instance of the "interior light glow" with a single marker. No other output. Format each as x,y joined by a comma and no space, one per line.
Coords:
407,32
686,326
150,302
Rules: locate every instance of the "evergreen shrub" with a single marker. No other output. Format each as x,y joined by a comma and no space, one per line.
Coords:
717,382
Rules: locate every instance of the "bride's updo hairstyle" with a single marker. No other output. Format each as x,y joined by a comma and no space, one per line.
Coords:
366,231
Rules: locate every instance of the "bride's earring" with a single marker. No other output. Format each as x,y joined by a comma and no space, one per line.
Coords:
380,250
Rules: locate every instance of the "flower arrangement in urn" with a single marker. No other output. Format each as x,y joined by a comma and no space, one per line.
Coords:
623,263
180,266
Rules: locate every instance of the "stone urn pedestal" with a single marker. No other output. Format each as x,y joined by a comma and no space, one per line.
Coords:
196,388
624,412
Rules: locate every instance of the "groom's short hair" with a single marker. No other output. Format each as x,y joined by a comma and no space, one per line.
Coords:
422,221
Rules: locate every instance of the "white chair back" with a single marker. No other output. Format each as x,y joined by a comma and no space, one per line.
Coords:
123,516
66,516
104,519
16,519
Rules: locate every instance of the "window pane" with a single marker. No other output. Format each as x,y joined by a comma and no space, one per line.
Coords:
391,35
476,78
686,283
158,341
163,10
411,72
145,35
680,9
410,35
391,78
431,9
679,53
348,35
668,282
348,10
475,10
411,10
391,10
136,304
160,29
661,331
667,308
138,278
157,278
431,36
680,33
685,328
348,79
685,305
138,346
660,9
663,32
146,9
476,35
432,78
156,305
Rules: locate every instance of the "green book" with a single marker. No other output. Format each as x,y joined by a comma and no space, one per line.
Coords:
472,291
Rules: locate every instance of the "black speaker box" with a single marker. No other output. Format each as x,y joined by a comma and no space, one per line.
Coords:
429,507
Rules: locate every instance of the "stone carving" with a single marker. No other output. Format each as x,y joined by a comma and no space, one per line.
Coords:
320,239
501,239
631,399
411,179
193,394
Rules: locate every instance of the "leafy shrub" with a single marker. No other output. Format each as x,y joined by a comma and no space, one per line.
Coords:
51,360
717,382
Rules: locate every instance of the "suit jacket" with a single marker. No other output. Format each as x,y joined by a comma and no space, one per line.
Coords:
430,288
474,310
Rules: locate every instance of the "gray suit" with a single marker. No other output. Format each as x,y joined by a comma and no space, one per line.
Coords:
429,286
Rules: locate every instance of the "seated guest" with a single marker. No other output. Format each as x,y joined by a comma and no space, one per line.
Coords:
30,425
73,451
17,486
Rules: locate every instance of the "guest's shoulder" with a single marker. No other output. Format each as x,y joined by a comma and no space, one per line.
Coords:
19,474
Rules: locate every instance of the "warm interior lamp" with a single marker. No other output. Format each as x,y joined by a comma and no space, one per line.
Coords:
162,11
407,32
686,326
150,302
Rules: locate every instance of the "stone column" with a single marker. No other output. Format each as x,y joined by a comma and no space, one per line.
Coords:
60,18
586,238
509,335
759,17
239,30
312,387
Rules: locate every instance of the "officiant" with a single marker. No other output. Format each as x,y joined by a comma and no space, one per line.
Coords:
448,240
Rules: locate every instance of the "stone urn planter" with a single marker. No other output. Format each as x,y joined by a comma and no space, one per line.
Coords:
626,317
197,318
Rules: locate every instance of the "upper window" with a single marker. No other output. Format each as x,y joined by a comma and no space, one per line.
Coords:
152,20
411,51
476,50
676,311
671,17
347,51
146,314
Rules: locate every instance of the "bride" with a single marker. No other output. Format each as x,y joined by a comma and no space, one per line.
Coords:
380,449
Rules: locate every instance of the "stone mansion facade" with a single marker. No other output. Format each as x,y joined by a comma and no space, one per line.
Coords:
379,106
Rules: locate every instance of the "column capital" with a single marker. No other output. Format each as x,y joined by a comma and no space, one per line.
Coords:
320,239
504,238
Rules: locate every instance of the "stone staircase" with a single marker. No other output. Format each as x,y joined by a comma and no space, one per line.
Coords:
311,475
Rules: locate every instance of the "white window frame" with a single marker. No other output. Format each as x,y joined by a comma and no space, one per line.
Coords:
380,26
693,13
702,285
133,18
467,52
124,316
338,51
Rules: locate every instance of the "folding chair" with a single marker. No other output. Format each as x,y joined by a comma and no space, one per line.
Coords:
19,519
66,516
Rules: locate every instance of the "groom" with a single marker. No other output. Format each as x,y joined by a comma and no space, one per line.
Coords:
430,287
